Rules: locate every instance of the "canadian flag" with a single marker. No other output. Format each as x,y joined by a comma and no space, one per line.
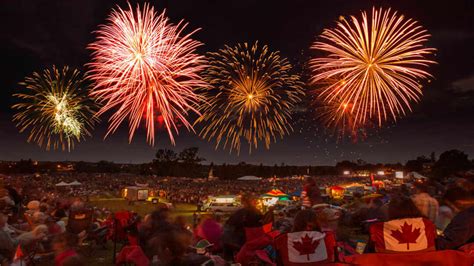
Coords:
403,235
306,247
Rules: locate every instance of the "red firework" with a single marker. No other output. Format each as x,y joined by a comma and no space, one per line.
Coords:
144,66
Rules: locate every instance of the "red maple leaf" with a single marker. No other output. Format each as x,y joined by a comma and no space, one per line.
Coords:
406,235
307,246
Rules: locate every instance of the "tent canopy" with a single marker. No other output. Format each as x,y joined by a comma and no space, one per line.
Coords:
249,178
275,193
75,183
416,175
62,184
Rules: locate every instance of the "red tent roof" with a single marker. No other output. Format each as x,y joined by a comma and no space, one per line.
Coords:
275,193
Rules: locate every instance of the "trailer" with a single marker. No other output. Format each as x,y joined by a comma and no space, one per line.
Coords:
135,193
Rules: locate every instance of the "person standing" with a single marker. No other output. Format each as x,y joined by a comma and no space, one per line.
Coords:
310,195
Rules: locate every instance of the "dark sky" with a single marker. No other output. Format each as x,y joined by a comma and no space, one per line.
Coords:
38,33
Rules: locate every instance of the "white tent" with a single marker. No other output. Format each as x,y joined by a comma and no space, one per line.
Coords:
416,175
75,183
249,178
62,184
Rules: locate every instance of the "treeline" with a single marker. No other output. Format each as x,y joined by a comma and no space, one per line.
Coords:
188,163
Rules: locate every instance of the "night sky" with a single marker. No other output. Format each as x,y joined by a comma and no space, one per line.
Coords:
39,33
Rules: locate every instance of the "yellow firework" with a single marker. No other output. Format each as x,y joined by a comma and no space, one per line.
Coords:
250,97
55,108
376,64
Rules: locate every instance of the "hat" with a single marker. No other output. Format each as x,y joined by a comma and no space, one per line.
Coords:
201,246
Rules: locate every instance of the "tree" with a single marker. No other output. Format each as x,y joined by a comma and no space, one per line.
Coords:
84,167
346,166
166,155
190,162
25,166
190,156
451,162
107,167
417,164
165,162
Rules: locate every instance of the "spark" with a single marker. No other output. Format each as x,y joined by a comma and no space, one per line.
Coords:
374,64
146,67
250,98
55,108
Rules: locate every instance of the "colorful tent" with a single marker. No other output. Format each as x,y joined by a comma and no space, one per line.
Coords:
336,192
276,193
337,188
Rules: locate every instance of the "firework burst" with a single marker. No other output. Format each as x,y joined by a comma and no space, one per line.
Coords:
145,67
250,97
55,108
374,65
337,117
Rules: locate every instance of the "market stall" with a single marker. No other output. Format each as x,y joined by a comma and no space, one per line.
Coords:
336,192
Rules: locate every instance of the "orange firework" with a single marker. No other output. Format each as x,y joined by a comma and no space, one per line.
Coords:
251,97
374,64
337,117
145,67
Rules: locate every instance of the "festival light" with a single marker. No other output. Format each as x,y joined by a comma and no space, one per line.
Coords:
250,97
145,67
55,108
374,65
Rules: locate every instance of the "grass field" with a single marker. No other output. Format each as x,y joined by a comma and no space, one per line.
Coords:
141,207
101,256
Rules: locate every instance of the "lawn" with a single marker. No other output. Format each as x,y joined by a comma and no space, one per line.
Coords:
141,207
101,256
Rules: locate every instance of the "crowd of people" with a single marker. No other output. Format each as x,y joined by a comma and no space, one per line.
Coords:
40,221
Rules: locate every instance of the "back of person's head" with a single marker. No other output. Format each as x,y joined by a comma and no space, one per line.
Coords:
180,221
170,246
248,200
404,189
159,216
305,220
40,230
65,241
460,197
401,207
421,187
310,181
377,202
